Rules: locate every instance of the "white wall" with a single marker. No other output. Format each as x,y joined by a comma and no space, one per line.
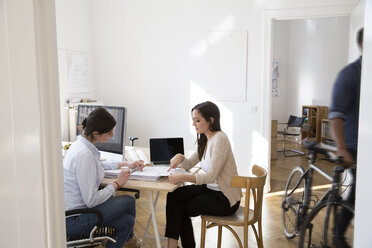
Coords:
31,186
315,50
281,53
74,37
146,57
319,49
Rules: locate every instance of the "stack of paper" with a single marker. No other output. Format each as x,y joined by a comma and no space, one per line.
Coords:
149,173
112,173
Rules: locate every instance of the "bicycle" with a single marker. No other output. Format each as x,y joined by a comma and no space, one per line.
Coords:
307,216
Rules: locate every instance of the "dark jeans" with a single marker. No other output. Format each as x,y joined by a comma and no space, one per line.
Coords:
118,212
345,215
190,201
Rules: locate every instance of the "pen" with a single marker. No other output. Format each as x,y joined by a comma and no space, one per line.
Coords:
134,169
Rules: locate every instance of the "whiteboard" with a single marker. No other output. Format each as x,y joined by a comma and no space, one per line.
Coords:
226,65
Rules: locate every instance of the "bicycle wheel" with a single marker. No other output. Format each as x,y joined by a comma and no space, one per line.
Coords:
319,228
293,198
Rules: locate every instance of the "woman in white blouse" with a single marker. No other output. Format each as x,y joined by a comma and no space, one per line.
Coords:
83,172
211,193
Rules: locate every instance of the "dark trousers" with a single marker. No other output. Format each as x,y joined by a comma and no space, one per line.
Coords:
118,212
345,215
190,201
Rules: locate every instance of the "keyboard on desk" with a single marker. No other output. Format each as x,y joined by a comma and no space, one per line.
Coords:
161,163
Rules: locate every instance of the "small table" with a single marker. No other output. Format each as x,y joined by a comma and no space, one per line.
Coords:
159,186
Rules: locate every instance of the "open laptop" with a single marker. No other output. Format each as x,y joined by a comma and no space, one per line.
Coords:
163,149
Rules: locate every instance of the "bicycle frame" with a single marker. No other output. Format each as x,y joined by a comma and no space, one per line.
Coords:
308,177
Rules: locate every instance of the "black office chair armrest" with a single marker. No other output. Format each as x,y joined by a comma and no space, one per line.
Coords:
136,191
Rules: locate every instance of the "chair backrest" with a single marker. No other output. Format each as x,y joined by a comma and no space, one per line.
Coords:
295,121
254,186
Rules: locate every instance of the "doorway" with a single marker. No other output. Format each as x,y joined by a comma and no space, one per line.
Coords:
307,55
355,11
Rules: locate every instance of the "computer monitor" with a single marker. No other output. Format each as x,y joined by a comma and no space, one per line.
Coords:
116,143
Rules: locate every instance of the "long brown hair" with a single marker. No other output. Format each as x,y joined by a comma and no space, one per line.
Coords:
207,110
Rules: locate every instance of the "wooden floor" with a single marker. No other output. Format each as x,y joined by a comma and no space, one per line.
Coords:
282,167
272,224
272,227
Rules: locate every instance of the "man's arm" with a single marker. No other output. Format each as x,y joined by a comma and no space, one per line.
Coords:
338,132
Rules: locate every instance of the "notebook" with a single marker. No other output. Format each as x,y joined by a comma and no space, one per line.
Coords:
163,149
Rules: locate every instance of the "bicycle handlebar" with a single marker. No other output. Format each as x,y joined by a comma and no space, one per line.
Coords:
330,156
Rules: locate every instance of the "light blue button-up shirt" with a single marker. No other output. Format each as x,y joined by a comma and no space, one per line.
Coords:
83,173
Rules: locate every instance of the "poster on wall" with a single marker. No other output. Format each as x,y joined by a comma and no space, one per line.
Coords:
75,72
275,78
78,71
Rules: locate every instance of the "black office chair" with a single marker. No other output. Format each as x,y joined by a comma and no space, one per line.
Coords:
293,121
99,235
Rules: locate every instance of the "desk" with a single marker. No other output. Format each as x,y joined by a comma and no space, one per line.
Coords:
162,185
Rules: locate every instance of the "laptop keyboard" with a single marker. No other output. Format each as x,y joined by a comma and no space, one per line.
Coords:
161,163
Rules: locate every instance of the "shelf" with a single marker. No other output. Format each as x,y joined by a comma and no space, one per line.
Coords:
327,136
312,126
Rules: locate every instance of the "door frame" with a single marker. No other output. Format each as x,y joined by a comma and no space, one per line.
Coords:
287,14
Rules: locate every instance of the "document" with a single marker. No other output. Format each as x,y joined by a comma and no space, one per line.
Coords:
149,173
112,173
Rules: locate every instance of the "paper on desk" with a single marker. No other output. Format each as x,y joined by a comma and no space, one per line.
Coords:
112,173
149,173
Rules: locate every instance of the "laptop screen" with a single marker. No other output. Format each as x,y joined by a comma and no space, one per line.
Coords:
163,149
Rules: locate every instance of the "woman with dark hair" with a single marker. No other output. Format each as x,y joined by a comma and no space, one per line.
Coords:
83,172
211,193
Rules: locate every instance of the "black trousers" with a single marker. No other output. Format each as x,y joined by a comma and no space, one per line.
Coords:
190,201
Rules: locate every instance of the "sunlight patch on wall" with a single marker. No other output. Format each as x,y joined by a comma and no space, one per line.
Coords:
199,95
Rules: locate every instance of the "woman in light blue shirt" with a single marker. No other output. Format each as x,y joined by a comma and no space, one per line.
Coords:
83,172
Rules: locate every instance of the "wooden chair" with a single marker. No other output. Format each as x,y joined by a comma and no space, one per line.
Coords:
244,216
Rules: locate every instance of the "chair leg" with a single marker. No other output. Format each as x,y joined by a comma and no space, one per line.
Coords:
285,150
202,236
260,233
245,236
219,236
